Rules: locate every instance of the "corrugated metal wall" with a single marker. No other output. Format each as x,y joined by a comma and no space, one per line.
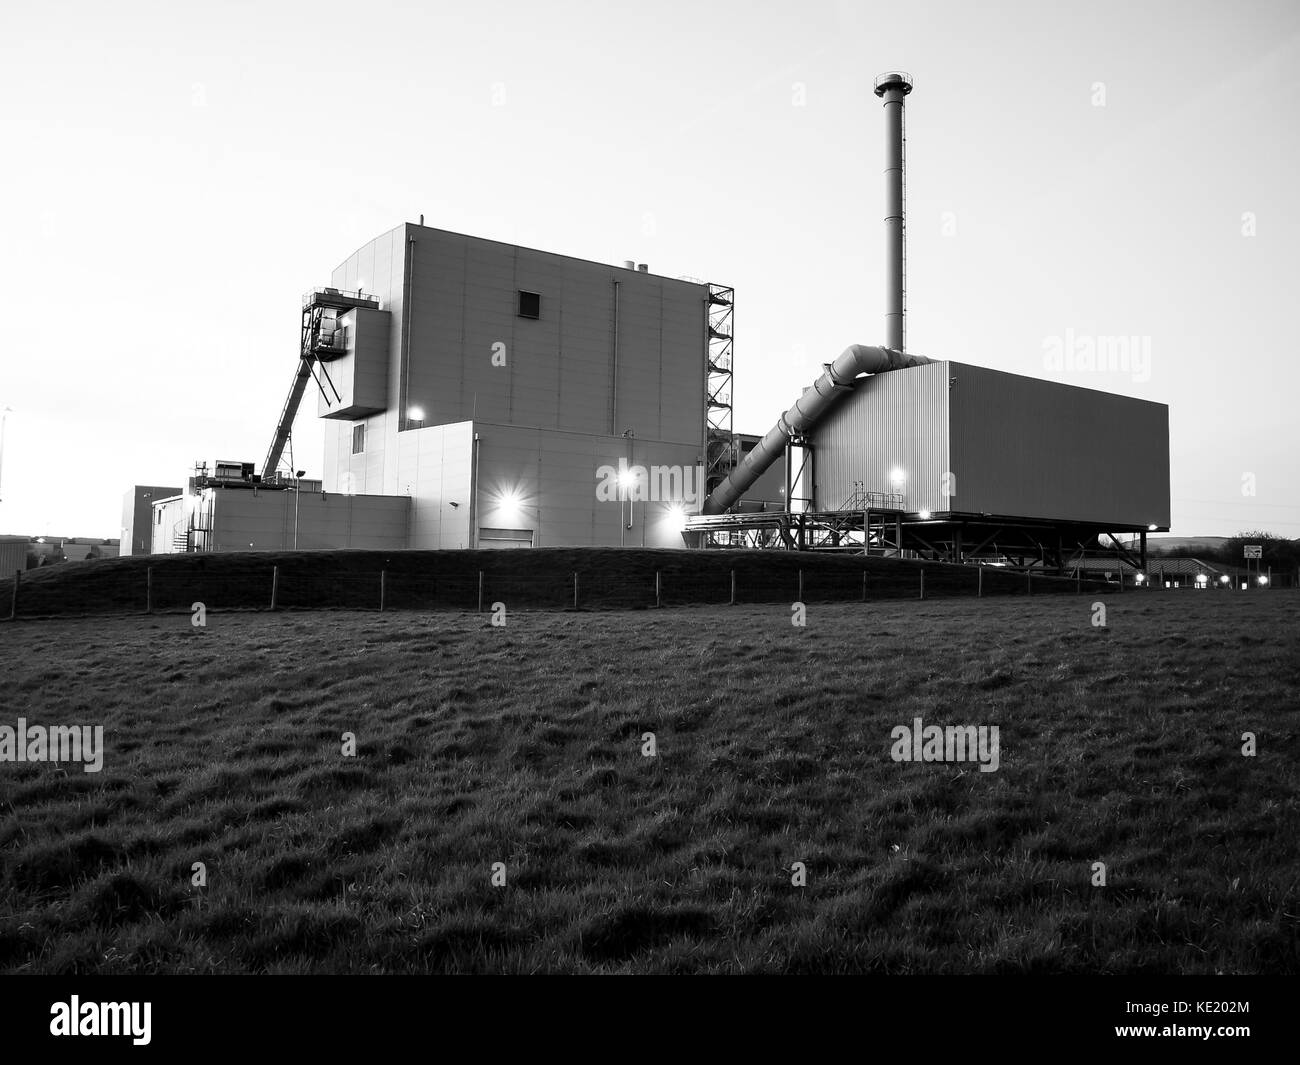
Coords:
380,268
559,371
1039,449
360,377
435,470
552,478
264,521
167,520
13,557
896,420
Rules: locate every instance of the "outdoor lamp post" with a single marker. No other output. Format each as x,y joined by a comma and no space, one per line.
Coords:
297,495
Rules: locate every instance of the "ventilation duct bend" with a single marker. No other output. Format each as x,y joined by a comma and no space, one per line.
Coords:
807,412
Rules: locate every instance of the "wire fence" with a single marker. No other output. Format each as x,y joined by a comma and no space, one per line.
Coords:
633,582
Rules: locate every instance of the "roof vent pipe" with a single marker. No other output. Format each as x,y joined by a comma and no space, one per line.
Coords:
891,88
628,264
643,268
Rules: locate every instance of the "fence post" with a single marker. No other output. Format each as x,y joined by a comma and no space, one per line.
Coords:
148,589
659,596
480,591
979,582
864,586
922,582
1078,579
383,588
575,590
1029,582
13,605
275,587
733,587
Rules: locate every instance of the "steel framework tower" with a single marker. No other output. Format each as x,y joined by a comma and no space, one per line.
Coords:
720,441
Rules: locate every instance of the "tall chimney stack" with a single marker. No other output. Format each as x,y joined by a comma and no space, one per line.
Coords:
891,88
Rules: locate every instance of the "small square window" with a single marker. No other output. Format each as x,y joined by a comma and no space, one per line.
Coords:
530,304
359,439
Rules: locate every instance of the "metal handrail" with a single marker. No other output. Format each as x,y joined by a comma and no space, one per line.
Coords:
310,296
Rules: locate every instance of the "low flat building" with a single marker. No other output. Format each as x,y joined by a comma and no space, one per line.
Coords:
265,519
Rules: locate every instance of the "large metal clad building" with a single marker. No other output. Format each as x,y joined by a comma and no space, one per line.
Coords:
1042,449
965,440
512,377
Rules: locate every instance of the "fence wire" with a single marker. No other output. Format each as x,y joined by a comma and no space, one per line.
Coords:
173,584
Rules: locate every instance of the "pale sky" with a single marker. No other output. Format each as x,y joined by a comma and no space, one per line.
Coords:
176,176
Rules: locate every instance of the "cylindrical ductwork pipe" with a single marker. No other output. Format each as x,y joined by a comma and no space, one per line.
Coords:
811,407
891,88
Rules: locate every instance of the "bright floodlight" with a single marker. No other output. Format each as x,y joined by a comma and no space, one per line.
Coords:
1140,577
510,503
626,479
1224,579
1151,528
925,515
1263,580
897,476
676,517
416,414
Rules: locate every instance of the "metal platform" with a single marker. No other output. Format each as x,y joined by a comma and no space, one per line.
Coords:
887,531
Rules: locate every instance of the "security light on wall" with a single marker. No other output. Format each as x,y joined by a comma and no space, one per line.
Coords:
510,505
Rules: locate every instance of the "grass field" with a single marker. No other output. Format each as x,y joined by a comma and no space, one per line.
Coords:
523,745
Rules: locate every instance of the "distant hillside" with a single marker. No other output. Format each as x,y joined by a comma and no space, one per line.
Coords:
1192,543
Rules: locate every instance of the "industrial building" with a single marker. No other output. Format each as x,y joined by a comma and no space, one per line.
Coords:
25,552
491,384
229,508
478,394
894,453
138,518
13,555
